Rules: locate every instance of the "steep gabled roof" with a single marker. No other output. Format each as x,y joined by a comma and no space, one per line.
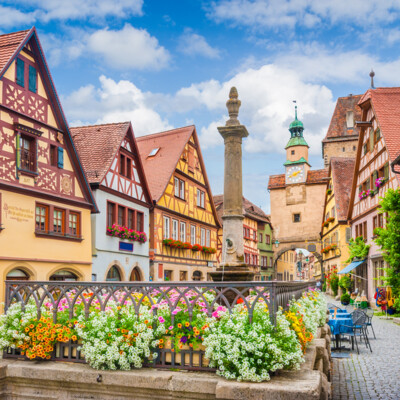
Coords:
314,177
338,126
98,145
10,46
386,105
160,166
342,170
249,209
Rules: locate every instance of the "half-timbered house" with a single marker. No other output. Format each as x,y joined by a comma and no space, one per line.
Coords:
45,199
111,160
335,230
378,145
257,238
183,221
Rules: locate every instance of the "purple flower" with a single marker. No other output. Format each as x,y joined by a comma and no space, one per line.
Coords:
184,339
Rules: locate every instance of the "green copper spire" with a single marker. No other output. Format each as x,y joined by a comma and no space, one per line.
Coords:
296,129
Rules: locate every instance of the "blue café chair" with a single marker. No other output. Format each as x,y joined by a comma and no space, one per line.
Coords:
357,329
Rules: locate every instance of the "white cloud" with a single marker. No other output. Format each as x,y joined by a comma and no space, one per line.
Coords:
128,48
209,135
12,17
47,10
192,44
267,14
113,102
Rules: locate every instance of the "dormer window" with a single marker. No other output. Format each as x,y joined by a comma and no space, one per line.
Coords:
350,119
153,152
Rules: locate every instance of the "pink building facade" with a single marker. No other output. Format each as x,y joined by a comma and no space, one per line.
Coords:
378,146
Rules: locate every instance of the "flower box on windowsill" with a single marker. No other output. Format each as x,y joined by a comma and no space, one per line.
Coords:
60,236
123,232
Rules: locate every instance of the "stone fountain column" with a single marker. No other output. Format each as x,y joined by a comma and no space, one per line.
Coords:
233,267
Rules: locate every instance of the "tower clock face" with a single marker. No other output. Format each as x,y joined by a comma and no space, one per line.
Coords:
295,174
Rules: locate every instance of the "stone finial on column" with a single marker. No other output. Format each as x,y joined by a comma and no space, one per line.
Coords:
233,105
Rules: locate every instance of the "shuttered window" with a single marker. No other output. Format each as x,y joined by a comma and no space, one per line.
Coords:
60,159
386,171
348,234
32,79
371,140
20,72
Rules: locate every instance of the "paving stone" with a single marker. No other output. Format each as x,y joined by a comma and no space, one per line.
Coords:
370,376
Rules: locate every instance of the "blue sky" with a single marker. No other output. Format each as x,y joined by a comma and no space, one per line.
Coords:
164,64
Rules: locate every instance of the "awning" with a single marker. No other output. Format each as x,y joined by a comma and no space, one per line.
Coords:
350,267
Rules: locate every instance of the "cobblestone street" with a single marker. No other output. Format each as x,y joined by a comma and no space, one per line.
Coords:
369,375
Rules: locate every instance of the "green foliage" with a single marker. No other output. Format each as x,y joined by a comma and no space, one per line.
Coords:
335,284
345,298
388,238
345,283
357,249
396,305
324,286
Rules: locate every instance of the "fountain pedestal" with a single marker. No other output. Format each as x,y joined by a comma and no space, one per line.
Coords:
233,267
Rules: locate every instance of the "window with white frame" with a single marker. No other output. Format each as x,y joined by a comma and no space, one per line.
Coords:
208,238
175,229
176,187
179,188
202,237
192,234
166,228
200,198
182,231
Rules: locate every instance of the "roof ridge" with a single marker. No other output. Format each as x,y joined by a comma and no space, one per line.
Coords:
94,126
169,131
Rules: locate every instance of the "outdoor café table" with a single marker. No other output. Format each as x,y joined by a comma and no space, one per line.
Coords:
338,311
340,324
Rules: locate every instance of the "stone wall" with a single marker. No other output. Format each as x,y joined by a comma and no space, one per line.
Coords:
335,149
29,380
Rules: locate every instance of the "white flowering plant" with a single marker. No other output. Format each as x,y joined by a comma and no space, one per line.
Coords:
124,331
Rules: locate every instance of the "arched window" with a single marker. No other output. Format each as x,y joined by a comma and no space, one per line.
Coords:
196,275
63,275
135,275
113,274
17,275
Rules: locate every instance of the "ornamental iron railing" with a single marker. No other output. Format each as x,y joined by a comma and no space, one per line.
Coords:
70,294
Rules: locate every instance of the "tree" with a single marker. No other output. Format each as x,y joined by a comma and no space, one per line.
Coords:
388,238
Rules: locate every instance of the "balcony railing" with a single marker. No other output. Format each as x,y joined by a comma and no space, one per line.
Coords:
85,294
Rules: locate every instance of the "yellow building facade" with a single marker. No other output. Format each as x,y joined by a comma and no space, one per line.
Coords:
286,266
45,201
335,231
183,221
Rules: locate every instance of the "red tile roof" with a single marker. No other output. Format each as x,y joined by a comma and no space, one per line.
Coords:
318,176
97,146
342,171
249,209
338,126
160,167
9,44
386,106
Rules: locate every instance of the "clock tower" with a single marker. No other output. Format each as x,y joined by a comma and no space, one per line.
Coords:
296,164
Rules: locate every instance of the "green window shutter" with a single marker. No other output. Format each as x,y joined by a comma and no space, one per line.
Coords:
60,157
348,234
378,134
387,171
368,184
359,189
32,79
365,148
18,147
374,178
20,72
371,140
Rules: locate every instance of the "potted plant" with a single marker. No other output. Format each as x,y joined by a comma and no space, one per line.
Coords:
345,299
